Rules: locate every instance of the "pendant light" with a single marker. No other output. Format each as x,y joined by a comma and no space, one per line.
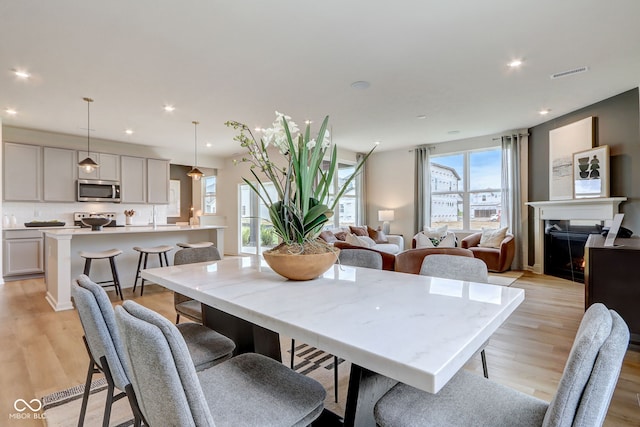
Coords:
195,173
88,165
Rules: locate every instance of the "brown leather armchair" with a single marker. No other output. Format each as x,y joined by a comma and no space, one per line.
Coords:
410,260
388,260
497,259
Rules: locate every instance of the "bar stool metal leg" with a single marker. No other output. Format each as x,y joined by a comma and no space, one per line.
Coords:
116,279
135,282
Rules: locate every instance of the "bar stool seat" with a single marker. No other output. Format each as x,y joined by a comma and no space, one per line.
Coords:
161,251
110,254
195,245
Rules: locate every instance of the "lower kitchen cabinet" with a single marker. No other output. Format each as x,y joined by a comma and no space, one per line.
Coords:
23,253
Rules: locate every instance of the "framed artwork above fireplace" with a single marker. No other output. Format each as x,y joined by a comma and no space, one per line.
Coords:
563,142
591,173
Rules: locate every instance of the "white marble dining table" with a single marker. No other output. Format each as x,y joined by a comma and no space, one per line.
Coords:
419,330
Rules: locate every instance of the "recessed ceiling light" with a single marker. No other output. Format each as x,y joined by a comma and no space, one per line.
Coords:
377,142
129,131
21,74
208,144
308,122
515,63
421,117
11,111
361,84
544,112
169,108
258,129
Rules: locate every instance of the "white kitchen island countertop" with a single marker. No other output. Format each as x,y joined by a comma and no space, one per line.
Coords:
63,262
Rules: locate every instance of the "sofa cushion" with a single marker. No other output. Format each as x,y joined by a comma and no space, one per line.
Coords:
359,231
341,235
492,238
436,232
363,241
328,236
390,248
377,235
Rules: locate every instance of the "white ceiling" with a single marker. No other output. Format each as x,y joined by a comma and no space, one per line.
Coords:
242,60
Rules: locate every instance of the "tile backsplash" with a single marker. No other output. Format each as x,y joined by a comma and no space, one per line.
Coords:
30,211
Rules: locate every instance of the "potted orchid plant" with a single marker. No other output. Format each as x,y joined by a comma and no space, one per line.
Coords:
303,204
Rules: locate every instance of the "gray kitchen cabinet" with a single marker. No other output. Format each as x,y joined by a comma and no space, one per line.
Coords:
23,252
60,171
108,170
133,182
157,181
22,172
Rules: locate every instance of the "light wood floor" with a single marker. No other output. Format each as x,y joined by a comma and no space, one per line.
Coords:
41,351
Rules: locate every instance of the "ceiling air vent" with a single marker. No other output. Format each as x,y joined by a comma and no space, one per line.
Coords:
570,72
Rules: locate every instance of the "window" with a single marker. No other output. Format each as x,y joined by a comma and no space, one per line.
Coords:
466,189
209,194
346,212
256,232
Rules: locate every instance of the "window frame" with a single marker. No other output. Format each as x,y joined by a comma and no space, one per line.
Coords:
465,192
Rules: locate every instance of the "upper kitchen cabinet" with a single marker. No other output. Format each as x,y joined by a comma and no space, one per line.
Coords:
22,172
157,181
108,170
60,171
133,185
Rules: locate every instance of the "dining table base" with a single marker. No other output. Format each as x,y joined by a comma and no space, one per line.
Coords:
365,387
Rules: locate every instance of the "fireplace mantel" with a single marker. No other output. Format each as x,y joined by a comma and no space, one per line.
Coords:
597,209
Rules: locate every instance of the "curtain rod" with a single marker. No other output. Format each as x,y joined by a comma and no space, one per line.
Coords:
500,137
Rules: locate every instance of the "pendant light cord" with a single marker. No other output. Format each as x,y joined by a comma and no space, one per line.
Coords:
89,101
195,135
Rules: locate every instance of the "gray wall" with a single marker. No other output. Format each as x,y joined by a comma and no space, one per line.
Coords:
618,126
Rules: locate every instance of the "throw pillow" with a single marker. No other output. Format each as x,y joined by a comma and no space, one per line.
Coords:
492,238
359,231
424,241
436,232
341,235
377,235
354,240
328,236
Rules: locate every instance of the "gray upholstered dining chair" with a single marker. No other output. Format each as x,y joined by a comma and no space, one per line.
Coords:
583,396
106,353
356,258
458,268
360,258
455,267
247,390
185,306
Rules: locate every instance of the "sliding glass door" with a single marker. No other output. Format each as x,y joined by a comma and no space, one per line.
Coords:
256,232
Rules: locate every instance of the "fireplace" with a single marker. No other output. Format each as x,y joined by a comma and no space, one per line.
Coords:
595,210
564,248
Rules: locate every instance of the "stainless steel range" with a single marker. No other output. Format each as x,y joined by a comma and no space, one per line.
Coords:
77,217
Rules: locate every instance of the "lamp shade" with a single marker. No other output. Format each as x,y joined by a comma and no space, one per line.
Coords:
385,215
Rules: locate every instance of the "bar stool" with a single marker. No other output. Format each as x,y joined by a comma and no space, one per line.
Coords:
111,254
195,245
144,252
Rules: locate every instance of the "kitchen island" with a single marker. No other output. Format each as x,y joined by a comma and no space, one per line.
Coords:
63,262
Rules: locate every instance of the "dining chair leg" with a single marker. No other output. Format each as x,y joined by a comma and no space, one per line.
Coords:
87,389
177,318
483,355
335,377
293,351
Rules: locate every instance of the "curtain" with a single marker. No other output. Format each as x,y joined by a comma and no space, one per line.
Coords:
511,215
361,213
422,207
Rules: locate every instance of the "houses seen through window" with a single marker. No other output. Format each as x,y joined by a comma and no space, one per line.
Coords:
466,189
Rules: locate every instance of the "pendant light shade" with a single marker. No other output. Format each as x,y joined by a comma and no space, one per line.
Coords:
88,165
195,173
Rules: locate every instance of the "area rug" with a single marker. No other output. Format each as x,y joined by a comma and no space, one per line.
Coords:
505,279
62,408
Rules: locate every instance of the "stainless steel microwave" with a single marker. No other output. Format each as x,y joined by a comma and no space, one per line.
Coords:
94,190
